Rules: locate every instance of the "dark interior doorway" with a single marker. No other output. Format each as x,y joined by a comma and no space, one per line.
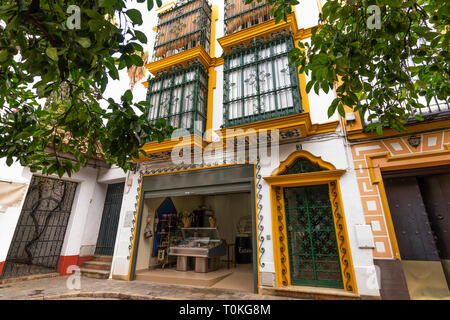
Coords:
419,202
110,220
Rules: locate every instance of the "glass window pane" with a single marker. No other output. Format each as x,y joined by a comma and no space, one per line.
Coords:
268,102
188,97
235,110
250,81
265,77
250,106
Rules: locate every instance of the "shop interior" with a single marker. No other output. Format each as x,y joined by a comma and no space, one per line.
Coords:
199,240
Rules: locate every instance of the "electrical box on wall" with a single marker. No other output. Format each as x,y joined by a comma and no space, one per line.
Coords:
268,279
364,236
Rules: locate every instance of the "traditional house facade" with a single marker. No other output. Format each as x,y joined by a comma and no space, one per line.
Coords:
254,145
282,199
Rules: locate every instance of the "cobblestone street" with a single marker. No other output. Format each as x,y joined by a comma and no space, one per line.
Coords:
56,288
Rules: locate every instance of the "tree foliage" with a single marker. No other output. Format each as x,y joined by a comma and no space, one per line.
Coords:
43,57
387,72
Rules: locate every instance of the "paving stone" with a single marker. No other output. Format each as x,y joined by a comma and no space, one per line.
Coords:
102,289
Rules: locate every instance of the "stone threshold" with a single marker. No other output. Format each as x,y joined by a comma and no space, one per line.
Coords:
30,277
306,292
104,295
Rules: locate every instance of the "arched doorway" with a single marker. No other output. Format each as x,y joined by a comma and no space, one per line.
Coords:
311,243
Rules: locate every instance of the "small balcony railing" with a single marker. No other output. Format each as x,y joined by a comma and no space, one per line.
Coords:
183,27
239,15
436,109
260,84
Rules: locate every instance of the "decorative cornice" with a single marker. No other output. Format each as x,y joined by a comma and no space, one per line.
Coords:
412,128
304,179
302,154
259,30
181,58
163,149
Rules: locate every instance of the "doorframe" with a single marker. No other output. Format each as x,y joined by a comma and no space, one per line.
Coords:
379,163
103,212
254,214
330,176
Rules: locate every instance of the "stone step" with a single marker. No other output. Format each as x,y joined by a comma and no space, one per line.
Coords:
98,257
94,273
97,265
315,293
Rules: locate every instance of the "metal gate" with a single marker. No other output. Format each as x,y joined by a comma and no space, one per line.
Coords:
312,245
40,231
110,220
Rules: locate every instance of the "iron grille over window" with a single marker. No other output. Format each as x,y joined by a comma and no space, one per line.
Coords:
184,27
180,98
260,84
239,15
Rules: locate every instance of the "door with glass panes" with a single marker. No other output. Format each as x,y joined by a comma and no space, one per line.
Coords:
313,250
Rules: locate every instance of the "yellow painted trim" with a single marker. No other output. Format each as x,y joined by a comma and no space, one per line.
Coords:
259,30
389,222
304,94
217,61
212,41
275,236
351,282
330,177
210,104
302,154
256,227
412,128
180,58
168,144
281,252
304,179
145,84
303,34
211,74
134,232
162,7
318,128
301,121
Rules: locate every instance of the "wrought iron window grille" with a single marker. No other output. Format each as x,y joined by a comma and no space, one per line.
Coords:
180,97
260,84
239,15
185,26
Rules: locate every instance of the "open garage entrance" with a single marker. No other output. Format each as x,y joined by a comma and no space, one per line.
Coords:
198,227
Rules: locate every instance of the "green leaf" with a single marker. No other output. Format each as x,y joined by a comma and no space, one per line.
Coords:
150,5
134,15
52,53
140,36
84,42
380,130
3,55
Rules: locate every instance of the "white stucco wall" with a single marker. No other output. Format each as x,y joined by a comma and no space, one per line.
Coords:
84,221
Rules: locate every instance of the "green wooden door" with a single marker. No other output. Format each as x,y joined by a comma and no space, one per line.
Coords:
313,251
